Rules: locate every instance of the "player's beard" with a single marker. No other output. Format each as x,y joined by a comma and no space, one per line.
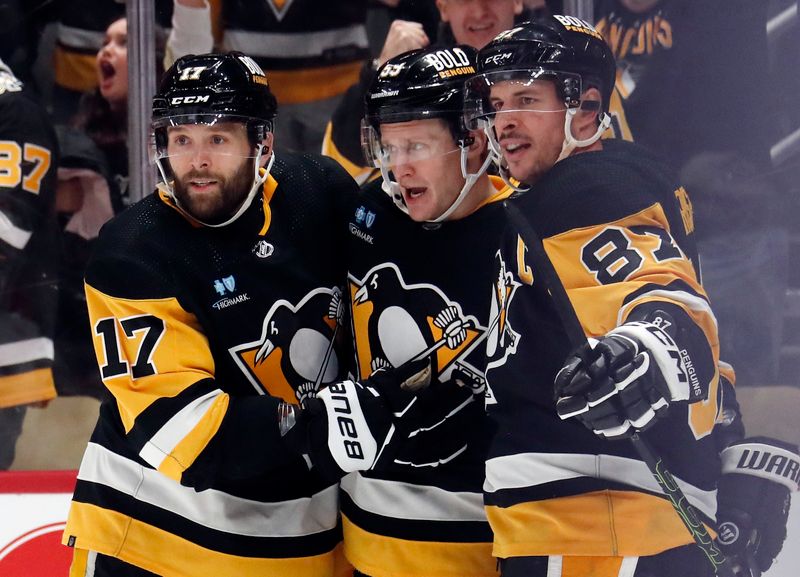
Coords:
214,207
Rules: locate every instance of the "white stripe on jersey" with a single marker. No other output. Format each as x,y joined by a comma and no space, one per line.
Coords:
295,45
692,302
532,469
19,352
12,234
413,502
211,508
167,437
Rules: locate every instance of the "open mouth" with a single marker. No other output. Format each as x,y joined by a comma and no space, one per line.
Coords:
202,184
414,192
480,28
514,149
107,70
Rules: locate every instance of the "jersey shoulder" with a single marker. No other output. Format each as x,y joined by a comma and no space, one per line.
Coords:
132,253
599,187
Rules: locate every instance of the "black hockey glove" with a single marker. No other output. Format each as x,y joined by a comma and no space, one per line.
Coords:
753,496
621,383
453,414
350,425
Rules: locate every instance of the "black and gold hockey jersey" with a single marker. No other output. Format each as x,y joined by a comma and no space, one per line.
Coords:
416,290
28,246
199,333
612,223
310,49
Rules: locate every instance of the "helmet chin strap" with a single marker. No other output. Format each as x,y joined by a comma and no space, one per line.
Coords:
395,192
258,181
469,181
571,143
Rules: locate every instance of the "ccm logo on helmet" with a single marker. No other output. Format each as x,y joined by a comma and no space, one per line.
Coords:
189,99
498,59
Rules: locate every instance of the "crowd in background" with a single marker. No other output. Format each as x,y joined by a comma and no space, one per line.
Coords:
701,83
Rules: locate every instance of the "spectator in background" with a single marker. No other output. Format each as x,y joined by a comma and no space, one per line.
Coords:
79,35
688,92
28,249
471,22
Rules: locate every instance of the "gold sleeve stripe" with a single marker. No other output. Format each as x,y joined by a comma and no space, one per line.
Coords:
597,303
604,523
179,359
28,387
193,444
192,427
112,533
360,174
372,554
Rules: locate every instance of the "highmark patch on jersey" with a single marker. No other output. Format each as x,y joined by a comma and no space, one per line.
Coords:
291,349
394,322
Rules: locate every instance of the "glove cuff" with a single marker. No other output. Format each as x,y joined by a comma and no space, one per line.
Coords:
766,458
674,364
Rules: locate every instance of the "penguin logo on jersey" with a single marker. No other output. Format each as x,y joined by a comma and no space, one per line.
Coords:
502,339
295,354
394,322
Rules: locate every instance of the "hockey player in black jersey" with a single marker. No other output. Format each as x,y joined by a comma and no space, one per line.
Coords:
28,258
420,251
213,301
563,500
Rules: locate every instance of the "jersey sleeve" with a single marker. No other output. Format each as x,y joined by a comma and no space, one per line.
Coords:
28,159
155,360
629,269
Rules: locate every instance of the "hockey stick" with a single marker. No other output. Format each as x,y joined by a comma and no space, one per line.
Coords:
437,345
723,566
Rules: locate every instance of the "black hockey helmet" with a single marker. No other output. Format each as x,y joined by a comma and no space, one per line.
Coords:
208,88
563,48
422,84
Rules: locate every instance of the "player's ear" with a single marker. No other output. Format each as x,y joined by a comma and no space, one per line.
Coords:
443,13
477,150
267,150
585,122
